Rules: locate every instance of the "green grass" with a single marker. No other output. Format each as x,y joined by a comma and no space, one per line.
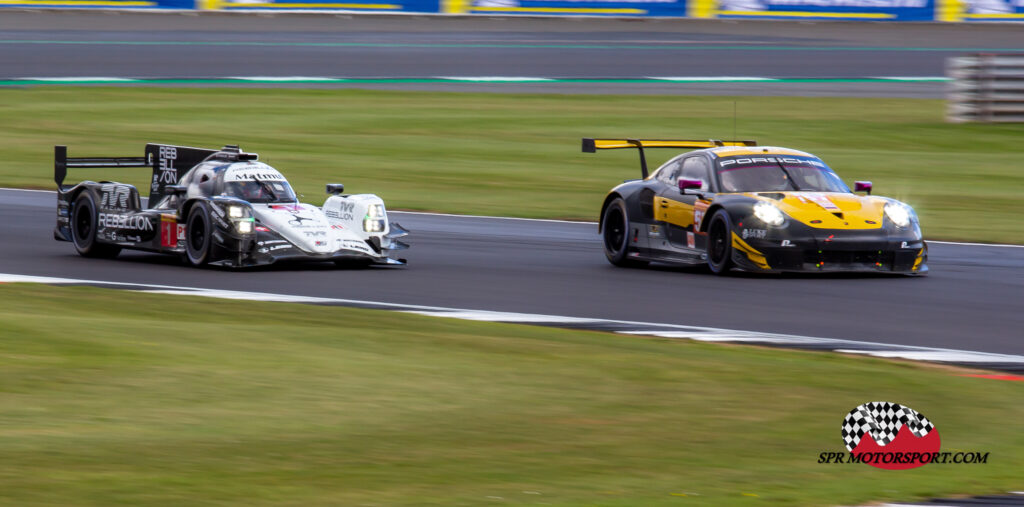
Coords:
110,397
519,155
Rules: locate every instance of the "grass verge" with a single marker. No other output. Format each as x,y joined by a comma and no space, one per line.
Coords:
114,397
519,155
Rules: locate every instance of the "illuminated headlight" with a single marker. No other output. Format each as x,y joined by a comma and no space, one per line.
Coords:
769,213
899,213
374,220
244,226
373,224
236,211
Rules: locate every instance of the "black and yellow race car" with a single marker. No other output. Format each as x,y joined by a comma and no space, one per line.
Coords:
733,204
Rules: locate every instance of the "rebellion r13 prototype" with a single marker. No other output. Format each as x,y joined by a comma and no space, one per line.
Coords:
733,204
218,207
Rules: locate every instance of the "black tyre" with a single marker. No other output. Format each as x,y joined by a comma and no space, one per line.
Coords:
616,234
84,222
720,243
197,234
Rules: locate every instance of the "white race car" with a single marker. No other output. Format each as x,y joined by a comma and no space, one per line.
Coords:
219,207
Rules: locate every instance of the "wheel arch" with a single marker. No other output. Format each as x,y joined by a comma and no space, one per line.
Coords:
738,208
604,207
187,206
704,223
86,186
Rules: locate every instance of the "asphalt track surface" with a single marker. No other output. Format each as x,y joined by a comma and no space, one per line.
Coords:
176,46
970,301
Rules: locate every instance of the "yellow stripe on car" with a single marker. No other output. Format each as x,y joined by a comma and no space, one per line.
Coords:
755,256
736,150
673,212
611,144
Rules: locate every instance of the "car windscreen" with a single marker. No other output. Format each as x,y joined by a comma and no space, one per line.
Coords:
776,173
260,191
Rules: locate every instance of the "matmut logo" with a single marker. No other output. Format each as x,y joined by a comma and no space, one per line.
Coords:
897,435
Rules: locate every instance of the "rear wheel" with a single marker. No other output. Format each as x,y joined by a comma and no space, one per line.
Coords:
616,234
197,243
720,243
84,220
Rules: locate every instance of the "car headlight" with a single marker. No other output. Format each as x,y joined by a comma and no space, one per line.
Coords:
769,213
373,224
374,220
899,213
244,226
236,211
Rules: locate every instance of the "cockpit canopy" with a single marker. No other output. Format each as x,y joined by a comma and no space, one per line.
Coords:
251,181
743,173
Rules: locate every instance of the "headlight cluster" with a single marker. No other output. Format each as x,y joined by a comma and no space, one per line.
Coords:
241,217
375,220
899,213
769,213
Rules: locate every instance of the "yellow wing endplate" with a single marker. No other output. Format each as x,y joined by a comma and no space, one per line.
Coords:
592,145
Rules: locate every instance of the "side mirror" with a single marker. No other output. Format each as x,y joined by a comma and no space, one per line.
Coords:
862,186
175,190
335,188
688,184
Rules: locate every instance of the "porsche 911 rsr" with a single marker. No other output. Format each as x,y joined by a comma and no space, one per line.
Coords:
219,207
733,204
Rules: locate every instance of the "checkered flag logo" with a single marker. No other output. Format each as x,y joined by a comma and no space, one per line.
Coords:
882,420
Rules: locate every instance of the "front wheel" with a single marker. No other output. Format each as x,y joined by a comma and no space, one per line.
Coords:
616,234
720,243
197,243
84,222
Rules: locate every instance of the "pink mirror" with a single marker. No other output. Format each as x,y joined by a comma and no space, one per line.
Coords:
862,186
688,184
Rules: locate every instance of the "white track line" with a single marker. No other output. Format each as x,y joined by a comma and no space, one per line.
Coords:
28,190
286,79
79,79
714,79
497,79
698,333
957,243
550,220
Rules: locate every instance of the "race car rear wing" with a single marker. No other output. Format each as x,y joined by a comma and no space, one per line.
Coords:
61,163
169,163
592,145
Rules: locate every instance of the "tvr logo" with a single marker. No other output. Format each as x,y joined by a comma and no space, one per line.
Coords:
115,196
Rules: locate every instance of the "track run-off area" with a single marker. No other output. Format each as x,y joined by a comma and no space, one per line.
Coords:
554,273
